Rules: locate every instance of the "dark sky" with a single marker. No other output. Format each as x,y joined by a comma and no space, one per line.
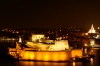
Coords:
49,13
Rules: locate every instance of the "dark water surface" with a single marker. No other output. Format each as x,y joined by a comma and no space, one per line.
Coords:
4,62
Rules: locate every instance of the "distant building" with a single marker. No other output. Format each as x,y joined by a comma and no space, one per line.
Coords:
37,37
92,33
92,30
92,42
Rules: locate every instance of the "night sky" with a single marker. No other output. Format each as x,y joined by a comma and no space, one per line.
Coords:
49,13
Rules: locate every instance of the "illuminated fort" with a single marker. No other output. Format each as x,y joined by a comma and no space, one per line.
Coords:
52,51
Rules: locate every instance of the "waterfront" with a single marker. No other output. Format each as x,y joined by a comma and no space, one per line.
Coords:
4,45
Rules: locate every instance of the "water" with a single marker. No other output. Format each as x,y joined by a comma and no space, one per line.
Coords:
3,62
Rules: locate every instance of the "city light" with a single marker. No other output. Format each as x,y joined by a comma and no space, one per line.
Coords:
92,30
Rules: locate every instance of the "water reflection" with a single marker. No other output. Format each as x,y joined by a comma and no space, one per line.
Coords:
85,50
31,63
91,61
73,63
26,63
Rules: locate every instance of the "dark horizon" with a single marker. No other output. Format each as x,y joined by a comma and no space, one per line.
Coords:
49,14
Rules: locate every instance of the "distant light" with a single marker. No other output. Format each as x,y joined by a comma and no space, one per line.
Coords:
13,39
92,30
85,44
17,32
86,33
8,39
97,37
3,30
91,50
98,28
6,29
20,40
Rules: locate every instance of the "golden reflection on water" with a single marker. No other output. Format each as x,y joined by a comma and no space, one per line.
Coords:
27,63
91,61
73,63
85,50
31,63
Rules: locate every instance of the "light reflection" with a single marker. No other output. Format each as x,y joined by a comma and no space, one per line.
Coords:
91,61
85,50
31,63
95,48
27,63
73,63
91,50
46,63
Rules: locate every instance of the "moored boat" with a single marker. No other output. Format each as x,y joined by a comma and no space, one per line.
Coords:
80,59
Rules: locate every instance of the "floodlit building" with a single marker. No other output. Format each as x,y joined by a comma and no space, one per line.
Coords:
92,30
58,45
92,42
43,55
77,52
92,33
38,37
58,51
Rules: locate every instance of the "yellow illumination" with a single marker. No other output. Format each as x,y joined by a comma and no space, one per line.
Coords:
26,55
39,56
63,55
91,60
73,63
46,56
77,52
55,56
85,45
32,56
